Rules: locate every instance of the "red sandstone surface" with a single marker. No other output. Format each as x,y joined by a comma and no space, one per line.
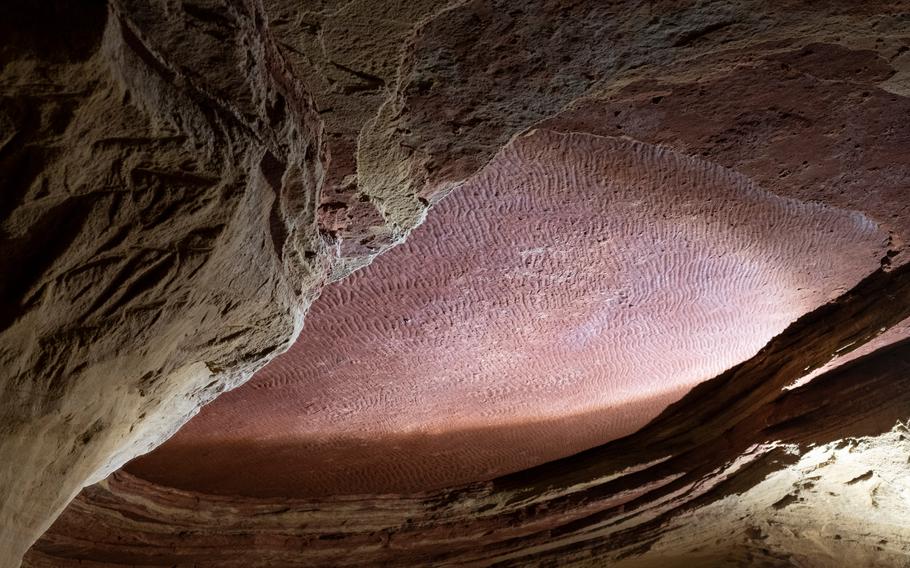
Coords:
182,179
558,300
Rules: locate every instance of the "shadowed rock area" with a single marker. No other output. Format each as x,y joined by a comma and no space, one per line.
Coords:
656,313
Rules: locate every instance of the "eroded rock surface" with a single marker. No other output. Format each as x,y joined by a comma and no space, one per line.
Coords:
181,178
558,300
157,234
164,225
727,451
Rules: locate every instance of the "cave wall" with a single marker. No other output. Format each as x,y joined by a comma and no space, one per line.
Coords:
180,180
164,226
559,299
737,472
158,237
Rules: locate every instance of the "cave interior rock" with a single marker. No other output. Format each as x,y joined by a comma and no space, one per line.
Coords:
454,283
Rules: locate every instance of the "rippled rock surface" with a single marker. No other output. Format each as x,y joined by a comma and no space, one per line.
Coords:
668,236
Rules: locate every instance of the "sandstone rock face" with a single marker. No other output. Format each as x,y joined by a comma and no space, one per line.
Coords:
158,236
182,178
164,225
558,300
735,473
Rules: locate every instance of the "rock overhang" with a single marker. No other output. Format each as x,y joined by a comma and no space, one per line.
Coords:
325,150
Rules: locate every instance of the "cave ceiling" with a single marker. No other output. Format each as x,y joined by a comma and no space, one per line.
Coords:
454,283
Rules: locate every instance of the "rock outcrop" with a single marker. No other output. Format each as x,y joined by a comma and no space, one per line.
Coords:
159,238
181,179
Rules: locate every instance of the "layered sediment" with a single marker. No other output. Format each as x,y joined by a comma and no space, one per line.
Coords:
181,181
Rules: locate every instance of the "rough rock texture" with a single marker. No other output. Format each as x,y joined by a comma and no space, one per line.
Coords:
695,485
157,234
558,300
162,223
180,178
